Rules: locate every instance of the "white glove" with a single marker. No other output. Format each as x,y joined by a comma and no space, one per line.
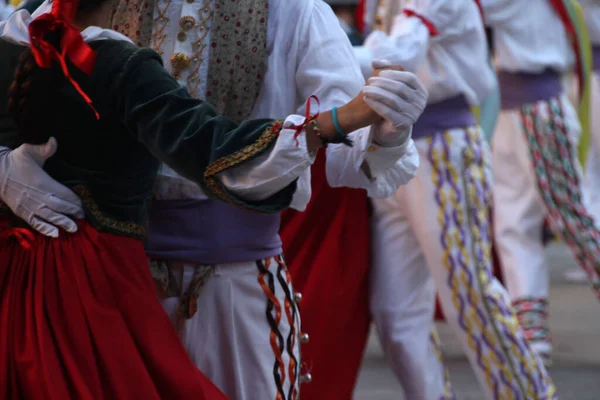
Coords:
400,98
32,194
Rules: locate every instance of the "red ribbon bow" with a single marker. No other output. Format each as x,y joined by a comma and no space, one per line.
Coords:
308,118
72,46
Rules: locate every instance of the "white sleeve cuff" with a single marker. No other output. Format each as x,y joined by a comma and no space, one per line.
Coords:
382,158
269,173
387,182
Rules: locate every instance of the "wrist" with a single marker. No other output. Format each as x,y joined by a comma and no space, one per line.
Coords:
314,141
350,117
387,135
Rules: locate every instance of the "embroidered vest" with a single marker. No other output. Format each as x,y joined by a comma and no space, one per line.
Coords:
238,53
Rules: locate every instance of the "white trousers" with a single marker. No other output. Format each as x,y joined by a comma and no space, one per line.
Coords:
244,331
438,226
527,189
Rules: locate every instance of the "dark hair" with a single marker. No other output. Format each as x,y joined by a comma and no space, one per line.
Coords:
28,110
27,76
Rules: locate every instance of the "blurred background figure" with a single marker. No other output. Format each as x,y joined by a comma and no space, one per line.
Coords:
536,170
439,224
346,11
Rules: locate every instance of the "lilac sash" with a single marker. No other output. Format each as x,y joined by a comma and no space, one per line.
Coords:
520,88
442,116
210,232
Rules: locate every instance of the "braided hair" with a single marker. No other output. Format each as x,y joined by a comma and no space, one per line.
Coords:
32,86
27,77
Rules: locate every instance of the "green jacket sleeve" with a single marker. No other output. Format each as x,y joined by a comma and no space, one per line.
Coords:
186,133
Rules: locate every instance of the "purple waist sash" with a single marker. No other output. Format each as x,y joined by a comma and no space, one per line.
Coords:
520,88
210,232
596,58
442,116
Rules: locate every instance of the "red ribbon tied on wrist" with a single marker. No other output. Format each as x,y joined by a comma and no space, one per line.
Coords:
72,45
308,117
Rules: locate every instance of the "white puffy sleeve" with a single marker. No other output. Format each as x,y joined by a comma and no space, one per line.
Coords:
498,12
406,45
265,175
327,68
417,22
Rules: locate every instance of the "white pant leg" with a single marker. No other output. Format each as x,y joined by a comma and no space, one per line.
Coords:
457,167
402,294
245,334
537,174
519,216
518,212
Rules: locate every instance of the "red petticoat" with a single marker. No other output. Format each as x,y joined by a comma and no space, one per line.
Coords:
79,319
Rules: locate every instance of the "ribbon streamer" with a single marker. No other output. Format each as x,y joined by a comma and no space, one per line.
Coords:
72,45
433,31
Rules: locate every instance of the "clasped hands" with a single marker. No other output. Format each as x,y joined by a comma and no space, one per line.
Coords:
391,101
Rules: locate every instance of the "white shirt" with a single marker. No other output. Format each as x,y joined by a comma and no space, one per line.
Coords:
528,36
306,56
591,12
5,10
309,54
453,62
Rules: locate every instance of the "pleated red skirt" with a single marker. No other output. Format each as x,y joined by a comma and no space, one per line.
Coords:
80,320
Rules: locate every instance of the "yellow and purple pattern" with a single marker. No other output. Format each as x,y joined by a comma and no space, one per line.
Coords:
497,346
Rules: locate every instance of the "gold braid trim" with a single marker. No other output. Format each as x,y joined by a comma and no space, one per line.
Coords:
106,223
102,222
248,152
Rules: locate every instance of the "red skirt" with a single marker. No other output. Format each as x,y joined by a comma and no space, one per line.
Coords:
327,249
80,319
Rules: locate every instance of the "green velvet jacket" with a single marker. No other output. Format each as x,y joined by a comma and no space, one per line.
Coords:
145,117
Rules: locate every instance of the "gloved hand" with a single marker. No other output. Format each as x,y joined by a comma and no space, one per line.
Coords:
400,98
32,194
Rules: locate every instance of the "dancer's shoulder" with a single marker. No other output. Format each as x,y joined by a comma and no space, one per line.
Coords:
116,57
283,10
120,52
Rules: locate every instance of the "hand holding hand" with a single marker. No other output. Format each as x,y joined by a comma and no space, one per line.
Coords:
32,194
374,108
397,96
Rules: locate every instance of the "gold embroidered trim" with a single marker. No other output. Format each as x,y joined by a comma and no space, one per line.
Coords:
223,163
129,228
